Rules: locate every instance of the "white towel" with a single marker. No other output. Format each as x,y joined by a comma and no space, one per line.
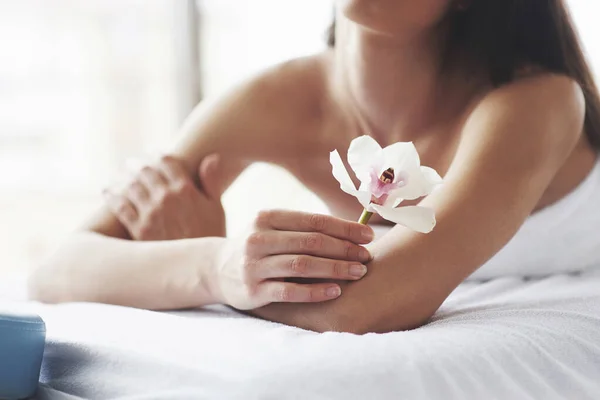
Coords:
504,339
561,238
508,338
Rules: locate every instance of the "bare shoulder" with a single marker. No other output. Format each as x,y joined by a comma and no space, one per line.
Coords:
292,88
545,111
540,92
529,135
299,80
297,87
263,113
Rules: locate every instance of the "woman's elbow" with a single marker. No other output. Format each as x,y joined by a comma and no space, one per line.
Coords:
352,315
394,319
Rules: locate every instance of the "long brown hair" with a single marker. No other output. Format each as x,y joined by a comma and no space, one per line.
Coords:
506,35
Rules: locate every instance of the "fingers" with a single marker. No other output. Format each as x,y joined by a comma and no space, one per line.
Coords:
122,208
302,266
138,195
166,177
264,243
173,170
154,183
284,292
208,172
306,222
152,179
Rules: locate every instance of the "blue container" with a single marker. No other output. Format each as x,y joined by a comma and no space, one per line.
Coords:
22,339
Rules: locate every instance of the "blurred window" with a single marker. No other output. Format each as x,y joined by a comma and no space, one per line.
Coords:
86,84
83,84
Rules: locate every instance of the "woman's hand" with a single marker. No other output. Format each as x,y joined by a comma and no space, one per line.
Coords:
251,272
162,202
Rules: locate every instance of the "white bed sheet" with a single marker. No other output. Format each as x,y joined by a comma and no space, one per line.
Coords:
504,339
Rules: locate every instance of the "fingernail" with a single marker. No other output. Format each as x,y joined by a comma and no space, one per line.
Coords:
367,234
333,291
364,255
358,270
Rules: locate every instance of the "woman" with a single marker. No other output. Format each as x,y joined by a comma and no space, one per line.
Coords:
495,95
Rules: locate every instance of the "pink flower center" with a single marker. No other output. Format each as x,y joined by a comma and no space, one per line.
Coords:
381,186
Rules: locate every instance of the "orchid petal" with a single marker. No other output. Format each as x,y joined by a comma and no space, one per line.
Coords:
364,153
420,219
401,156
432,176
396,202
420,182
341,175
364,198
393,201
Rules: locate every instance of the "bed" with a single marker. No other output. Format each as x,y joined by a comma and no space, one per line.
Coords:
506,338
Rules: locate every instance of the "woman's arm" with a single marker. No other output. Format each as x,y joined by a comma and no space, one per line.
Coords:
151,275
238,126
242,127
246,272
512,146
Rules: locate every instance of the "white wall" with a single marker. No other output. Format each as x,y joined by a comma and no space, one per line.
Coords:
585,13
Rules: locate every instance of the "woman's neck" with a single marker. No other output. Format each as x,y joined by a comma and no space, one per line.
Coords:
390,86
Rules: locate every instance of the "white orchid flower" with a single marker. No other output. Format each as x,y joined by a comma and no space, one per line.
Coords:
388,176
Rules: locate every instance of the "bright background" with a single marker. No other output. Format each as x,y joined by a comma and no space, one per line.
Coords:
87,84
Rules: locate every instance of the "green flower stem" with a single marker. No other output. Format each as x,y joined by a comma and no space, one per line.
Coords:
365,217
